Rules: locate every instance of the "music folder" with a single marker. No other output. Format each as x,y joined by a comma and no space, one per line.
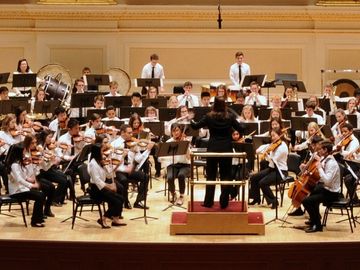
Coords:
296,85
301,123
24,80
146,82
248,79
47,106
173,148
4,77
97,79
155,102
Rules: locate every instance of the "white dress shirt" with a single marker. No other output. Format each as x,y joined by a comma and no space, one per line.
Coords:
258,99
158,71
279,155
17,180
98,174
320,120
330,174
193,101
234,72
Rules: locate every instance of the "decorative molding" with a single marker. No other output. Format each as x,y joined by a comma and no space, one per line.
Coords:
77,2
337,3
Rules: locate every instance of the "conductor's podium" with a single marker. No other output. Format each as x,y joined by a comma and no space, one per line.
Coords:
232,220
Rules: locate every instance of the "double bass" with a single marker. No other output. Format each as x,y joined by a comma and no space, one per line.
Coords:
305,182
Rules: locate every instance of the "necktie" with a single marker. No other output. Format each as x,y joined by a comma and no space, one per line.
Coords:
239,73
72,147
153,73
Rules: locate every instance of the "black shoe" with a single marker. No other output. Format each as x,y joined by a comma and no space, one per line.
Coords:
297,212
114,224
140,205
253,202
127,205
100,222
207,205
224,200
314,228
37,225
49,214
56,204
309,222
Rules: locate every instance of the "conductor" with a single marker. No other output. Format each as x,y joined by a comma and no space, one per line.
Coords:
221,124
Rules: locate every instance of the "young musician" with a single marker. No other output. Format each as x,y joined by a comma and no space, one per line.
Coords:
113,87
23,184
79,86
220,124
310,112
173,102
348,144
327,189
60,121
238,70
4,93
94,124
180,168
99,102
23,68
341,119
181,116
187,99
247,114
255,97
276,153
152,92
103,187
221,91
153,69
126,172
351,109
205,99
136,100
111,114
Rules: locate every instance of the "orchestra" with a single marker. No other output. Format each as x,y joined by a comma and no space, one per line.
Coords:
46,149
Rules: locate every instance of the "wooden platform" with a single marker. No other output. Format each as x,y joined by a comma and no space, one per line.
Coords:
215,220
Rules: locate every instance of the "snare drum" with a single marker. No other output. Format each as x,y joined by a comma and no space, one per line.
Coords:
55,89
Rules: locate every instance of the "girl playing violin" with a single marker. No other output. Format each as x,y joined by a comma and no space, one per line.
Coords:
22,184
276,153
136,124
348,144
94,125
60,121
180,168
103,188
341,119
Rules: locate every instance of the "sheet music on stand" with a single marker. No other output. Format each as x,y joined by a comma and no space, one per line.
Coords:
248,79
147,82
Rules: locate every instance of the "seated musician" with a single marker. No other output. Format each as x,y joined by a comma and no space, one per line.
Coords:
23,184
187,99
4,93
221,91
33,152
255,97
173,102
205,99
21,117
181,117
351,109
40,94
126,172
99,102
327,189
94,125
240,98
150,114
310,112
50,171
236,167
348,144
111,114
275,102
357,97
349,178
247,114
152,92
113,87
276,153
180,168
59,122
104,188
136,100
341,119
316,101
79,86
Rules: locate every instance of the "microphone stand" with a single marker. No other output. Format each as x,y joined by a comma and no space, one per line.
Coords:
219,20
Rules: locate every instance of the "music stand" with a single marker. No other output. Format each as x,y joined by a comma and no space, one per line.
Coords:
155,102
94,80
248,79
251,127
126,112
157,128
113,123
296,85
292,105
90,112
265,125
147,82
280,77
117,102
237,108
189,131
301,123
341,105
4,77
264,114
200,112
46,107
83,100
166,114
9,106
173,149
24,80
351,118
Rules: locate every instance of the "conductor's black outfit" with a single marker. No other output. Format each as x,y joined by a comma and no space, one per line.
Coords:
220,127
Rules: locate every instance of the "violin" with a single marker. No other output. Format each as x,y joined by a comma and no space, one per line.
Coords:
79,138
14,132
272,147
111,161
344,142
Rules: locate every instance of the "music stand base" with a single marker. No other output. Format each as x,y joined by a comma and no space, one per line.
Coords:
66,219
173,205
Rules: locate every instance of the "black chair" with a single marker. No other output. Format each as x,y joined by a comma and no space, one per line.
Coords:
7,200
293,163
85,199
342,204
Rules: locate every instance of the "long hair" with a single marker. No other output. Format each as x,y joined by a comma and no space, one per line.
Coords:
19,64
96,153
19,111
219,109
6,122
15,155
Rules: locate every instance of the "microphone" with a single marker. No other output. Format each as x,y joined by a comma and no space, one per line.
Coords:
219,20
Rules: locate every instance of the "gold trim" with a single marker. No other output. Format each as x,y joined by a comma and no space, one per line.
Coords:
338,3
77,2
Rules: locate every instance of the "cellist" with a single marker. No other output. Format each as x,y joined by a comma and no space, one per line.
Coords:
326,190
277,153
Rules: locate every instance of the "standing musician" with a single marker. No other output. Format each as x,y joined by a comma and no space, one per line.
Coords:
276,153
23,68
239,69
327,189
126,172
60,121
220,124
22,184
104,188
341,119
180,168
33,153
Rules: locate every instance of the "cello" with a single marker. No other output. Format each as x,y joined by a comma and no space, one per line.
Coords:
305,182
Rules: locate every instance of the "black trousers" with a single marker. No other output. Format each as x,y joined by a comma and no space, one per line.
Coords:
263,180
4,176
181,171
115,200
312,202
212,165
56,176
39,198
136,177
48,189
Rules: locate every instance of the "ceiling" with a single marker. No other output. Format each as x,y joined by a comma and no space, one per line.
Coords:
196,2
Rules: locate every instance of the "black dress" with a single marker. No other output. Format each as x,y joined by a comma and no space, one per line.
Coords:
220,141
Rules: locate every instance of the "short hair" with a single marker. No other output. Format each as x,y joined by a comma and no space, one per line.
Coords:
99,98
123,127
110,108
154,56
188,83
317,139
326,144
72,123
237,54
86,69
254,83
3,89
59,110
310,104
348,126
204,94
113,83
136,94
94,117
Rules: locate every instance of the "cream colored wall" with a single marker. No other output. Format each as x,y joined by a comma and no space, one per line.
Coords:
190,48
